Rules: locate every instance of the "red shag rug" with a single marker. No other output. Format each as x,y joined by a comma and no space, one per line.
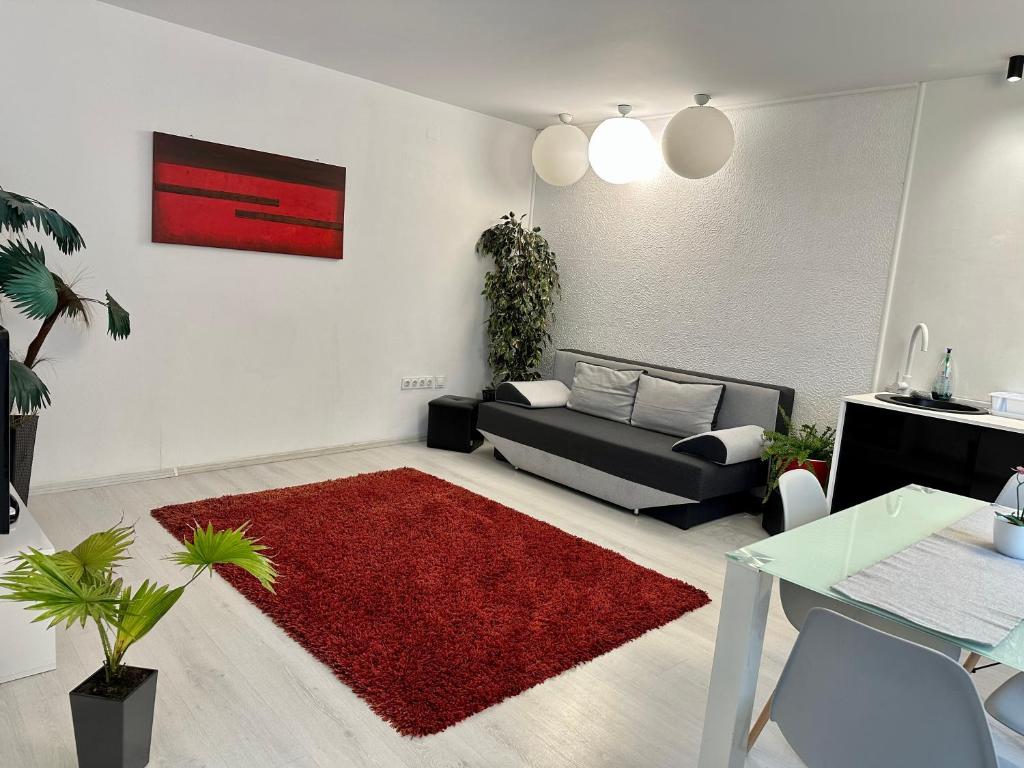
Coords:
433,603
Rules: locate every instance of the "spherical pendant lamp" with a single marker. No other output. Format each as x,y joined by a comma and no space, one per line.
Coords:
560,153
622,149
698,141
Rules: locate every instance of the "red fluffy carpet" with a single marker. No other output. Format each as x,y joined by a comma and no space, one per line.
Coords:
431,602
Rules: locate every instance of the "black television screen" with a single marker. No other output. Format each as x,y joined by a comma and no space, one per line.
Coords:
5,446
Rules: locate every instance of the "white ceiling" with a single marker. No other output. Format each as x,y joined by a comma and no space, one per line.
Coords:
526,60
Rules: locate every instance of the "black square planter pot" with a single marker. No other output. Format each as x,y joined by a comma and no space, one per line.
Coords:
114,732
771,514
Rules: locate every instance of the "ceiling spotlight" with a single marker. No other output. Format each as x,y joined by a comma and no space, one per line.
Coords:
1016,69
560,153
622,149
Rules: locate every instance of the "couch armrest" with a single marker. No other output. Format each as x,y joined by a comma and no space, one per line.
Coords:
725,446
533,394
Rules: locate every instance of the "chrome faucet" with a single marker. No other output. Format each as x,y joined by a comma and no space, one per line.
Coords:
904,376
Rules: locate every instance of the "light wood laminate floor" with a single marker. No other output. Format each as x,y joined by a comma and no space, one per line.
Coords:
235,692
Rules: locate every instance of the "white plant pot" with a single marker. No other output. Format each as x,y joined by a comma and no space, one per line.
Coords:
1008,538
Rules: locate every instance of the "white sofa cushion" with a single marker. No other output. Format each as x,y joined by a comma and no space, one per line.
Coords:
533,394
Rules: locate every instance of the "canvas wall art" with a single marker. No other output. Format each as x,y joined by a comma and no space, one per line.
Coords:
227,197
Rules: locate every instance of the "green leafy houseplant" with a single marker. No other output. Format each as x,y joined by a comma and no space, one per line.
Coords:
520,291
81,585
795,446
41,294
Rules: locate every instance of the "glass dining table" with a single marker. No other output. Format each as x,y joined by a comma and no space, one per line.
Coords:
816,556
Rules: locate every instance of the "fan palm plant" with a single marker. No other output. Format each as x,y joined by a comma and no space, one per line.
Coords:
81,585
112,709
41,294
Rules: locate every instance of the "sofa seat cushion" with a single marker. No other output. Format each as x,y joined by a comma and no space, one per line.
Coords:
622,450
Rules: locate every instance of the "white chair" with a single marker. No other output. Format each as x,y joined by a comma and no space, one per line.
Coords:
1006,704
852,696
803,502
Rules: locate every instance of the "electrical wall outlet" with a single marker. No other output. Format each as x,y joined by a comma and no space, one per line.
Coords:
417,382
440,381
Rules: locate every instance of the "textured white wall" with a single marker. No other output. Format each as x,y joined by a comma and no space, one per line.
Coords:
773,269
236,354
960,267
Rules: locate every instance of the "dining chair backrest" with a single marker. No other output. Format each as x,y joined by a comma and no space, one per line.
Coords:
1008,496
803,501
851,696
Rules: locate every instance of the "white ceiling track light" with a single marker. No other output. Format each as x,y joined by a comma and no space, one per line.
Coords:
622,149
698,141
560,153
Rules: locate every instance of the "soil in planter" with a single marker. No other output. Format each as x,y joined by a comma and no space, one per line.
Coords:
118,688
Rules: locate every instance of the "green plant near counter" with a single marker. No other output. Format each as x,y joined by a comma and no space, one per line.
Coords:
800,445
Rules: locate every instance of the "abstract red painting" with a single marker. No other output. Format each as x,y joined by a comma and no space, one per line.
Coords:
226,197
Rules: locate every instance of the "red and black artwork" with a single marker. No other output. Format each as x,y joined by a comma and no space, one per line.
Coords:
227,197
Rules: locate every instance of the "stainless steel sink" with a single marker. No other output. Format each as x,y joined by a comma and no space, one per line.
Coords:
929,404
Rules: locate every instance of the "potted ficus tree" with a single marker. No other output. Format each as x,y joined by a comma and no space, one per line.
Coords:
112,709
805,447
41,295
520,292
1008,527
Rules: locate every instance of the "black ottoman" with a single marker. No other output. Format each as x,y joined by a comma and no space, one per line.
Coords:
451,424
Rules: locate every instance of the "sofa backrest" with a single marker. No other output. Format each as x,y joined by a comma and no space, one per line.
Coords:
744,402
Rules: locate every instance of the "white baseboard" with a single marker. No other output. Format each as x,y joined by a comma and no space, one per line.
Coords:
191,469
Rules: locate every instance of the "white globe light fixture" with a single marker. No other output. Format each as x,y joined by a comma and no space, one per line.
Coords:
622,149
698,141
560,153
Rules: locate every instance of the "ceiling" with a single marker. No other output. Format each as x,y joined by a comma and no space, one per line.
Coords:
527,60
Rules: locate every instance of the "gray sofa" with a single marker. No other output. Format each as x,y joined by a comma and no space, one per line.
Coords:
632,467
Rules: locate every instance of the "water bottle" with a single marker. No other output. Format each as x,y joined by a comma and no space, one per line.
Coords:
942,386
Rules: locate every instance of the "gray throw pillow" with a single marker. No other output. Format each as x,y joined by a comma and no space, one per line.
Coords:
675,407
603,392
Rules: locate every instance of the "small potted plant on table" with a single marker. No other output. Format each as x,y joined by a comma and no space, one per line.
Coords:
1008,527
805,447
112,709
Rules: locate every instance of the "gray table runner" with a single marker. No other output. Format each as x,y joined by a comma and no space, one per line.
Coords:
953,582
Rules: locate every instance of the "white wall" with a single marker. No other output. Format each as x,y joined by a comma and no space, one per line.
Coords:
237,354
961,265
773,269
